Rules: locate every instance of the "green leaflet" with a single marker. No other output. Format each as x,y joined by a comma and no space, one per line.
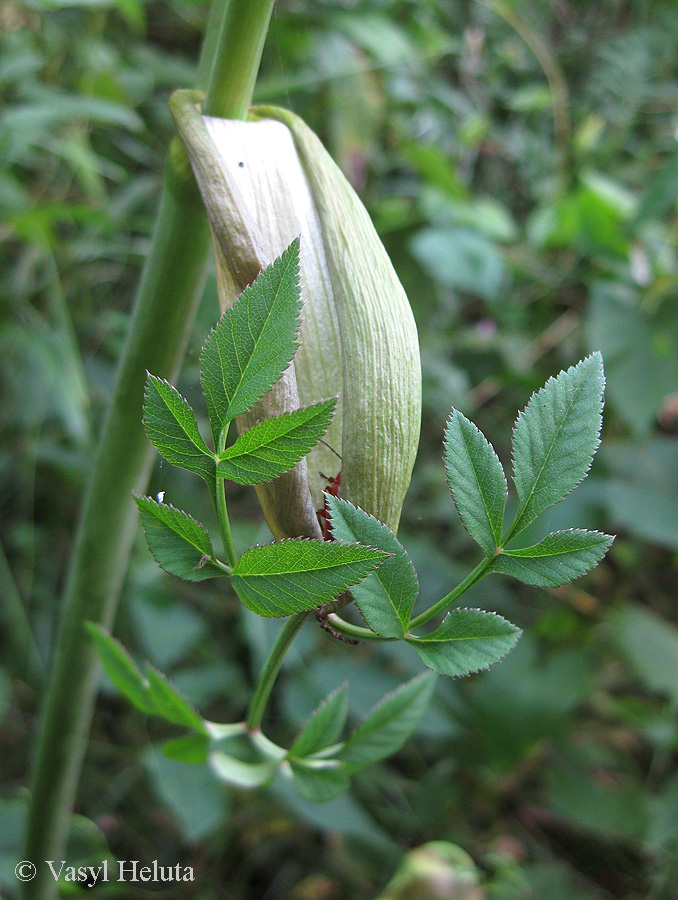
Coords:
173,431
121,670
555,437
190,748
324,726
319,780
253,342
296,575
557,559
389,724
467,640
180,545
274,446
386,597
477,481
170,704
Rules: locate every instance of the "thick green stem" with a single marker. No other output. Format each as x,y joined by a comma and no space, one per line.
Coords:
270,671
23,654
170,288
480,571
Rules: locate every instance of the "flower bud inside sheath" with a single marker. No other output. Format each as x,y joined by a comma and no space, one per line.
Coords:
264,182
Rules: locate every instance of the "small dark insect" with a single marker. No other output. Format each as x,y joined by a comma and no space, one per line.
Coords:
334,485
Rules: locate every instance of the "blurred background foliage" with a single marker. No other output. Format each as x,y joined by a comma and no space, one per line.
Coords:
520,160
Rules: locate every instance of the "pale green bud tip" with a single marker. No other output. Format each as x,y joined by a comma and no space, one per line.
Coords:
435,871
265,182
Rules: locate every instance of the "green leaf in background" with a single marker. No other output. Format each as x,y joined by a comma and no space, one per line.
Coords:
173,431
296,575
650,644
477,481
639,342
389,724
170,704
467,640
319,780
179,544
387,596
324,726
121,670
276,445
555,437
190,748
253,342
558,559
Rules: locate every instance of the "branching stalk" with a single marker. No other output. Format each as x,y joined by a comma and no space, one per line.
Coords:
480,571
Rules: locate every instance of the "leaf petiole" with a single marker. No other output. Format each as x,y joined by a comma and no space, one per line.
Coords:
481,570
220,504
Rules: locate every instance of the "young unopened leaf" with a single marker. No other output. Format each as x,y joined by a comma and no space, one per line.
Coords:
170,704
173,431
253,342
296,575
276,445
555,437
389,724
387,596
180,545
190,748
467,640
324,726
477,481
319,780
558,559
121,670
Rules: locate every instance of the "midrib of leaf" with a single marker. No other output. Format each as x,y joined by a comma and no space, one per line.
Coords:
257,341
202,448
496,535
516,522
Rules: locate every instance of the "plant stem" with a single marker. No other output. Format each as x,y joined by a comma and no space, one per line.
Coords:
270,671
480,571
169,291
23,654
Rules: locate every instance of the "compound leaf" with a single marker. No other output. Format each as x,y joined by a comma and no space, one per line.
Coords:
253,342
180,545
477,481
389,724
172,429
467,640
324,726
295,575
557,559
555,437
387,596
276,445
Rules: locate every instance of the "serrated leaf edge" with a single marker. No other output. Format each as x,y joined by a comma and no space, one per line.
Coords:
451,489
413,640
521,413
